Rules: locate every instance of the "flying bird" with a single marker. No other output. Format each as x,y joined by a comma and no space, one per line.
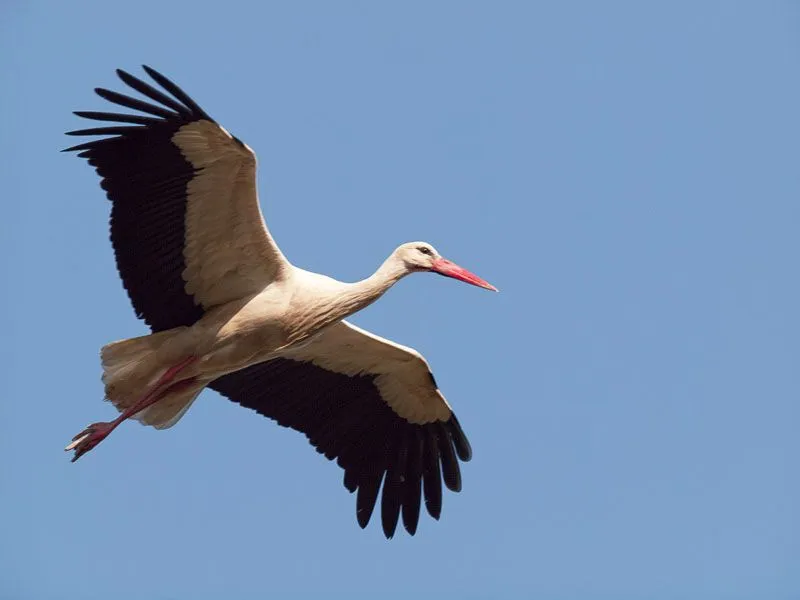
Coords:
229,312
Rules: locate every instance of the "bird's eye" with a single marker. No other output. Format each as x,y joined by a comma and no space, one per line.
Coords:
425,250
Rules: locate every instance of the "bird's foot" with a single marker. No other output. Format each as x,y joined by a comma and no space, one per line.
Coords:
89,438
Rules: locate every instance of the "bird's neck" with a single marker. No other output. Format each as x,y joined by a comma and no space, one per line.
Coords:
365,292
348,299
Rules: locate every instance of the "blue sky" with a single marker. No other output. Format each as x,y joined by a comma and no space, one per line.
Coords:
626,173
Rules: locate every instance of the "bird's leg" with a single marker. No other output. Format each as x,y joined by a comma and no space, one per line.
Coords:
97,432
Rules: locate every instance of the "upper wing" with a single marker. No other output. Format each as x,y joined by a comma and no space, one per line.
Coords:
185,222
371,404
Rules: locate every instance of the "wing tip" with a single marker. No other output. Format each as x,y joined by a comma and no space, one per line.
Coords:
460,441
434,511
363,517
410,529
77,147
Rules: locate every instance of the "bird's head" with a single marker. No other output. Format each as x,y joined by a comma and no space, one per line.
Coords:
421,256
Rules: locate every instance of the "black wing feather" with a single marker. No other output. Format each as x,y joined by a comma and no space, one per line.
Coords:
413,489
115,117
450,471
431,475
145,176
394,482
152,93
460,441
118,130
135,104
346,419
177,92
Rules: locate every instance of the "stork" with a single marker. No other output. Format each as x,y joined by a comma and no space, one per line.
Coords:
228,311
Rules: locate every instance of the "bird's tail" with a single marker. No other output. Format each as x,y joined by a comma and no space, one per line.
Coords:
131,367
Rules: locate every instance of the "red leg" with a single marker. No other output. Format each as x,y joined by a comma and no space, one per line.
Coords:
97,432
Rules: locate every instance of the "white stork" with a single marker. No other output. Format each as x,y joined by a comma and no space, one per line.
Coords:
229,312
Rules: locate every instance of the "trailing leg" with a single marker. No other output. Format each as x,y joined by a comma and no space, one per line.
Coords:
97,432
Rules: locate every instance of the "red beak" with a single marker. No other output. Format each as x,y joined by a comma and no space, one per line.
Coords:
451,269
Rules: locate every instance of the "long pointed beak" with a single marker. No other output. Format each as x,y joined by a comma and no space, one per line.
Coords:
451,269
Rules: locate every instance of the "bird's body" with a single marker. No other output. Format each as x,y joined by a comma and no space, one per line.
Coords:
230,312
282,320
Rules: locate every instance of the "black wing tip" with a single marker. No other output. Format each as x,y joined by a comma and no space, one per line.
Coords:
443,446
390,526
118,130
388,531
170,86
350,481
173,108
151,71
180,106
434,511
410,529
460,441
363,517
83,146
127,78
390,510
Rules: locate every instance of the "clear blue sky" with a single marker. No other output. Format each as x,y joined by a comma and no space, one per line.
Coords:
626,173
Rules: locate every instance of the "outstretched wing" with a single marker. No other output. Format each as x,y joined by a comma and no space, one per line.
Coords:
186,227
374,407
